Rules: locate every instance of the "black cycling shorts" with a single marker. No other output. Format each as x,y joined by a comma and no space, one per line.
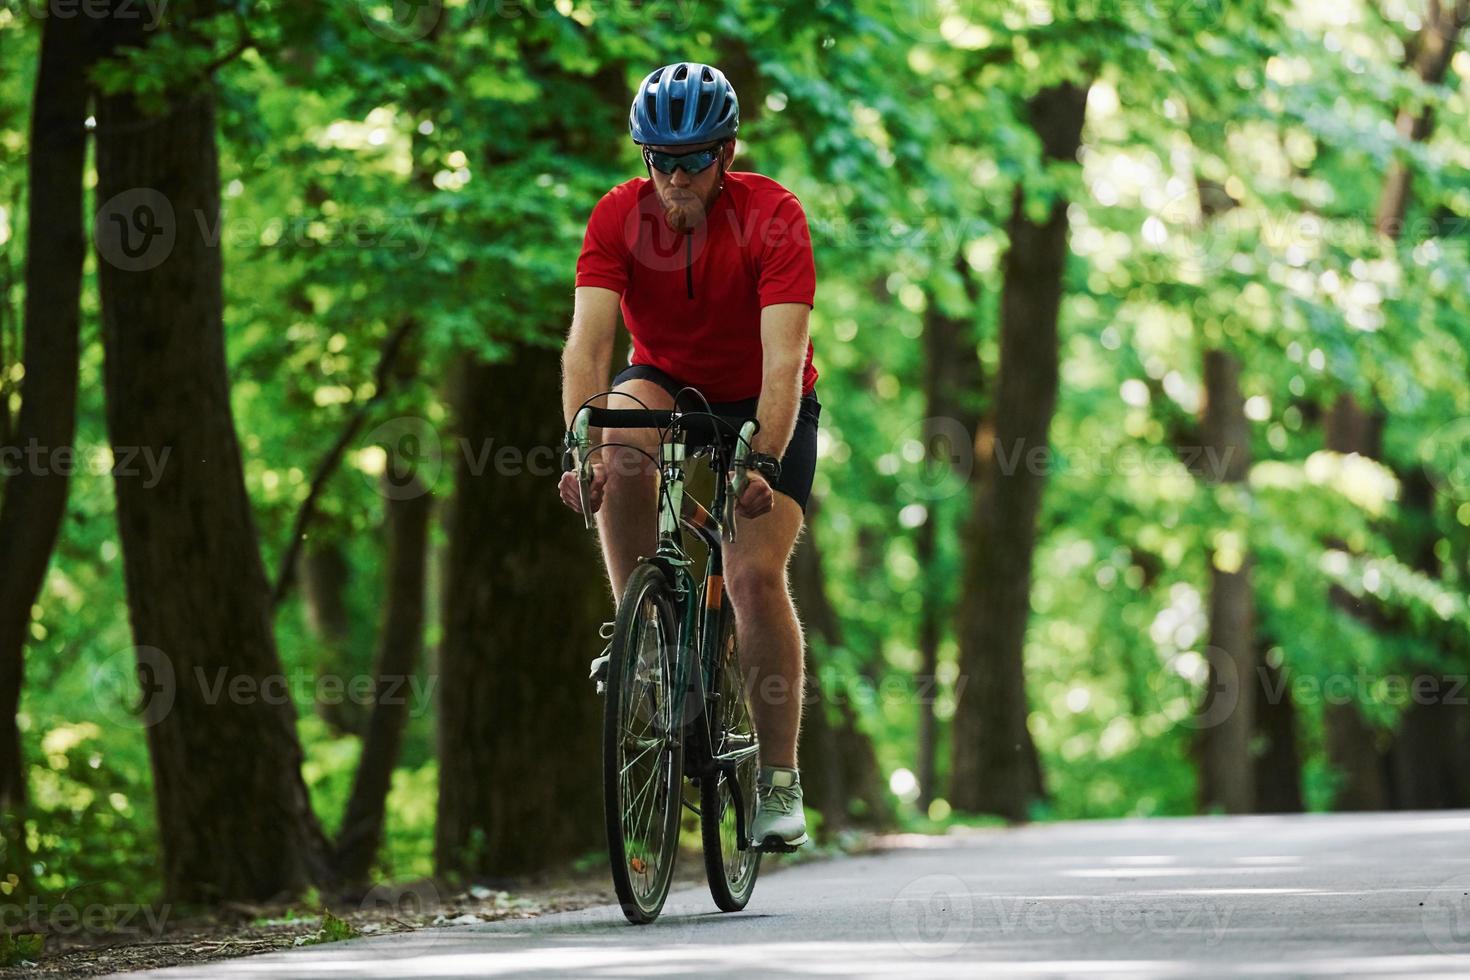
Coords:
798,465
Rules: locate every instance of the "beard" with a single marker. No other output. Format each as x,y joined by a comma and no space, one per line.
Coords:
684,210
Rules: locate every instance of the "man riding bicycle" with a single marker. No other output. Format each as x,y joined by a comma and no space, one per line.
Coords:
713,272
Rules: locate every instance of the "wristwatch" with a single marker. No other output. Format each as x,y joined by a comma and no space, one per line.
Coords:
766,465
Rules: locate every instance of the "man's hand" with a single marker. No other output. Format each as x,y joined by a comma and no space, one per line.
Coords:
571,494
757,498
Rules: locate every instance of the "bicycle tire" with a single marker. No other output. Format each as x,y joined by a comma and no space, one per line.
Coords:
730,870
642,849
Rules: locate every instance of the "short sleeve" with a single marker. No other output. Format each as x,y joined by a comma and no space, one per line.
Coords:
604,258
787,269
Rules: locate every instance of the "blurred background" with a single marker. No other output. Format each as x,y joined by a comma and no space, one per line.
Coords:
1144,476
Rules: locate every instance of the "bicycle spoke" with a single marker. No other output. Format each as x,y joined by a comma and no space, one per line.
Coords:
644,756
635,808
643,746
655,785
632,805
656,747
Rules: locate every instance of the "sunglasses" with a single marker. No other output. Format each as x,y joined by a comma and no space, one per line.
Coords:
690,163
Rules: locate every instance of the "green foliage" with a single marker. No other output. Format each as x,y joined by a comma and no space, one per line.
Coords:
19,949
333,930
375,174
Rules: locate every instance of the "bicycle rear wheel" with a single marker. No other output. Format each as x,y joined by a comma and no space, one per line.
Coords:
642,746
730,868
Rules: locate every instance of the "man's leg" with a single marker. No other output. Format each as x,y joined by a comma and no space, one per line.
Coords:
627,522
767,630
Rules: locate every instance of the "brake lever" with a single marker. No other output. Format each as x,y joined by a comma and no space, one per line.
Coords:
578,444
737,485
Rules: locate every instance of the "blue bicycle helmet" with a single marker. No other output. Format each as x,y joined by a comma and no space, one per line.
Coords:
685,103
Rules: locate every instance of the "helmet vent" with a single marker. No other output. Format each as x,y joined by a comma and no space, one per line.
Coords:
684,104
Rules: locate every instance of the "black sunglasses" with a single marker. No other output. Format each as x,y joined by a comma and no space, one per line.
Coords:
690,163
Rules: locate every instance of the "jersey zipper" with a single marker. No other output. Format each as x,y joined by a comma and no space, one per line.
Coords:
689,264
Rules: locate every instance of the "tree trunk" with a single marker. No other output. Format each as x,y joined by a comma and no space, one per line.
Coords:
1352,745
1426,758
1460,742
953,383
11,283
520,775
325,575
399,645
930,614
235,820
1355,755
1426,762
839,770
1277,753
56,245
995,767
1278,767
1429,57
1353,748
520,781
824,775
1226,717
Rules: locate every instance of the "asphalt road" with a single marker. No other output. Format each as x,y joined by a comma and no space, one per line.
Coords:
1341,895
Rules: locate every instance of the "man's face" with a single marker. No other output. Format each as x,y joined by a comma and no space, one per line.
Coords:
687,198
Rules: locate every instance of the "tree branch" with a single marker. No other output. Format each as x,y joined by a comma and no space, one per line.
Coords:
286,572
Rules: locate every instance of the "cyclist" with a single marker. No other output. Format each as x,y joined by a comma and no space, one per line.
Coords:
713,272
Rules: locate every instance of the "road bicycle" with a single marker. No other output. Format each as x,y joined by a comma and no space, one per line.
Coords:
676,704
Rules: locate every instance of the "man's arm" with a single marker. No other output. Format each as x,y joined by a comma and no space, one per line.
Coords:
587,358
585,362
784,343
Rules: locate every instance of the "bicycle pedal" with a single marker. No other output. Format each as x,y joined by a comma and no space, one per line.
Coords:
775,845
599,672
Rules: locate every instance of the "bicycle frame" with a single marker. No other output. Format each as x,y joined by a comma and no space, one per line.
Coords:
699,622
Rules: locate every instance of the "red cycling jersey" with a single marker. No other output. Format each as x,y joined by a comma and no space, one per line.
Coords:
692,301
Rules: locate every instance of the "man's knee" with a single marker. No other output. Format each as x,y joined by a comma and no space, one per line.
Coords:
631,454
757,588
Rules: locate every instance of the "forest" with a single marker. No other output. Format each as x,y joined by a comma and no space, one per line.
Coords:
1144,465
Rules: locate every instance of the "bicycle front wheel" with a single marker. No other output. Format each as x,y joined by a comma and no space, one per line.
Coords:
642,746
731,869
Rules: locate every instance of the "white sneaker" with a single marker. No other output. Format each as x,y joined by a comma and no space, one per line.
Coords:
780,820
600,664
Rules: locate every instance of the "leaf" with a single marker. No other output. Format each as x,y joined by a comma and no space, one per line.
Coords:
20,948
333,930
